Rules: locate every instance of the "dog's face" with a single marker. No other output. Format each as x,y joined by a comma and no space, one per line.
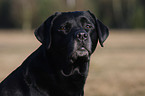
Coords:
74,36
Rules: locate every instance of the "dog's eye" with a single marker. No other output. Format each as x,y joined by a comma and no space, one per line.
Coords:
65,28
88,26
62,28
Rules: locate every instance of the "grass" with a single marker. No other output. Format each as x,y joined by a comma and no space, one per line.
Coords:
116,70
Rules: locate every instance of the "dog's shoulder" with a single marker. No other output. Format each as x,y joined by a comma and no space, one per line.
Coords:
14,82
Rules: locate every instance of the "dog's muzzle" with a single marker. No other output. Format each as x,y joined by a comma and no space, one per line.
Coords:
82,49
79,58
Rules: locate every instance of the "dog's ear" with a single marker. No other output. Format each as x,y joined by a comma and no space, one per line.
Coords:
43,32
102,30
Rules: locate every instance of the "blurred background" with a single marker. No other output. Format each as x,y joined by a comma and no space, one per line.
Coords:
28,14
116,70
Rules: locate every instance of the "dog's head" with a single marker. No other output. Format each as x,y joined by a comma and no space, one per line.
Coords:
74,36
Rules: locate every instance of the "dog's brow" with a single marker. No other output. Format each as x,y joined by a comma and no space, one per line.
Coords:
84,19
67,22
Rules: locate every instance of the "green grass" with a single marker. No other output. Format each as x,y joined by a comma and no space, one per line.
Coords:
118,69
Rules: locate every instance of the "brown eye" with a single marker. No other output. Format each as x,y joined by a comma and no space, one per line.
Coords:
65,28
62,28
88,26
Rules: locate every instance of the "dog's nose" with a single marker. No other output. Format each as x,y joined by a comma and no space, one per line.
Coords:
82,36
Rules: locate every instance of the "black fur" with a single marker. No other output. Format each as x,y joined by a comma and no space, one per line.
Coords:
59,67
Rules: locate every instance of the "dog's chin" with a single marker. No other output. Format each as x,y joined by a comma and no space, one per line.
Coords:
77,64
82,56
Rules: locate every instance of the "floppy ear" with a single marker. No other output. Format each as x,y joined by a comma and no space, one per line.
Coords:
43,32
102,30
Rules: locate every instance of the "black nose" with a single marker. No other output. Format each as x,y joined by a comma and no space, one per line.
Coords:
82,36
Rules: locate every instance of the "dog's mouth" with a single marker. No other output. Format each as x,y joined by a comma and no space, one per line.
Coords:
78,63
81,52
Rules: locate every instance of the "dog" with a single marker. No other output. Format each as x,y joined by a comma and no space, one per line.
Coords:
59,67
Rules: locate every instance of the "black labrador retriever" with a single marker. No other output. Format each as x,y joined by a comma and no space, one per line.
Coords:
59,67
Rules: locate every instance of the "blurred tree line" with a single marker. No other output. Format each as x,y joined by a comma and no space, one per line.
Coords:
29,14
